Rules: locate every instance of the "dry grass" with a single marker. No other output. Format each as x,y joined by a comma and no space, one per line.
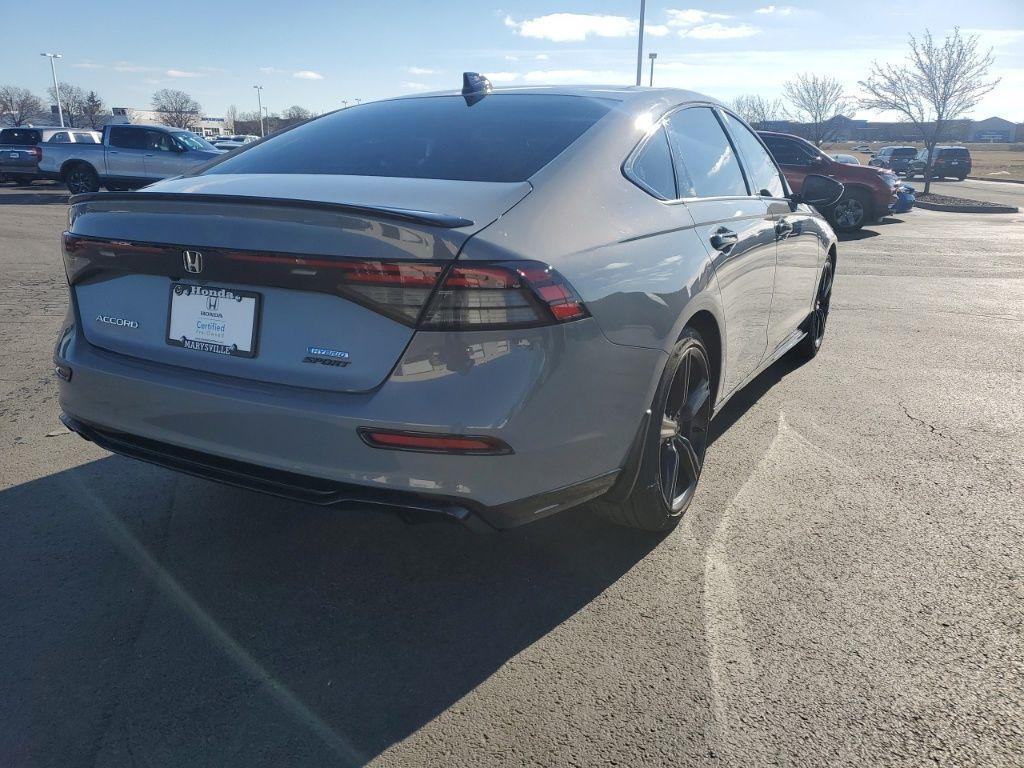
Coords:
995,161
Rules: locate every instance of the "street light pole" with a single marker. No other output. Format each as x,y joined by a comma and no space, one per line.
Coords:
652,57
640,44
56,88
259,102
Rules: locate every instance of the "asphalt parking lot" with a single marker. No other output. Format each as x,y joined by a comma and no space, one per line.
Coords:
976,189
846,590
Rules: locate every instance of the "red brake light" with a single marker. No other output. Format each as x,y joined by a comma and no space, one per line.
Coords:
433,443
37,152
502,295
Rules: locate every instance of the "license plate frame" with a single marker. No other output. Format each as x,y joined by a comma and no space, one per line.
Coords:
219,294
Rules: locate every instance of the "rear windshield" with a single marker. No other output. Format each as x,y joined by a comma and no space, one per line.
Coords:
904,152
954,152
22,137
501,137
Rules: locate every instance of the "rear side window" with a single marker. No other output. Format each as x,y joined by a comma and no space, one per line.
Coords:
706,165
761,169
60,137
128,138
652,167
501,137
22,137
788,151
85,138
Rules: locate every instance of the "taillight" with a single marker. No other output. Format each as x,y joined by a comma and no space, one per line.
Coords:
37,153
516,294
428,442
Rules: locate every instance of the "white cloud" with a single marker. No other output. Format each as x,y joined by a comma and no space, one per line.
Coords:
419,71
656,30
306,74
691,16
573,27
511,58
502,77
181,73
270,70
89,65
995,38
542,57
717,31
775,9
411,86
127,66
543,76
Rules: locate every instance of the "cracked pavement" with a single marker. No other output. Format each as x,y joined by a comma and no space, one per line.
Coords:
846,590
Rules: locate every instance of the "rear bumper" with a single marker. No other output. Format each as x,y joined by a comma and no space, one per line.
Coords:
568,401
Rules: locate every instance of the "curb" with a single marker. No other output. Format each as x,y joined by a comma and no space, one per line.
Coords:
966,208
998,181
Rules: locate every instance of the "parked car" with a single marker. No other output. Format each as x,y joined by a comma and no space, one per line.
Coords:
954,162
21,148
848,159
128,156
862,148
906,197
404,303
234,142
869,192
895,159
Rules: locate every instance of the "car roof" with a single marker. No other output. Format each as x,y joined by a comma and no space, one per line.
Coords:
632,96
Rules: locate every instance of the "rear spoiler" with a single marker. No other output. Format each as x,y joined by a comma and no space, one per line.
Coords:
428,218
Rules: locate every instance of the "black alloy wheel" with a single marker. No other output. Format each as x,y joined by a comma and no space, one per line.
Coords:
819,315
684,429
80,179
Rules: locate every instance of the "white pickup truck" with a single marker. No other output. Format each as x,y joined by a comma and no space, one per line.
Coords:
129,156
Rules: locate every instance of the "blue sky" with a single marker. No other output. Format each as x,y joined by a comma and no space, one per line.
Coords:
317,54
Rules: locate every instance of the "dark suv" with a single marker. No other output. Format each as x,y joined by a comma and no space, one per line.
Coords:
947,161
895,159
870,192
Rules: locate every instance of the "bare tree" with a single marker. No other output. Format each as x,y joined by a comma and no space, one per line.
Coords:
177,109
937,84
757,110
92,110
72,101
230,117
19,105
815,100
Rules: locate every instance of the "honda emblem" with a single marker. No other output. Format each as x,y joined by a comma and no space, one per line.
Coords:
193,261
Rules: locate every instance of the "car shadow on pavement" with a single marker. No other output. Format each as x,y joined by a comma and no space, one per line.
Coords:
747,397
189,623
860,234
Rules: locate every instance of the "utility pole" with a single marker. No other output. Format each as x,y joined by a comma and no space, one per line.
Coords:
259,110
640,44
56,88
652,57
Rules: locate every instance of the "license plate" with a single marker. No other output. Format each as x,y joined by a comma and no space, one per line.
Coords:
206,318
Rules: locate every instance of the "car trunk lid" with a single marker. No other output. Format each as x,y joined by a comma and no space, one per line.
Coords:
330,272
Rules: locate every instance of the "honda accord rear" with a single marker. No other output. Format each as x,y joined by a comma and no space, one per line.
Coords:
311,318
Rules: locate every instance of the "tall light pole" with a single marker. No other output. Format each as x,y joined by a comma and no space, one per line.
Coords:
56,88
259,101
640,44
652,57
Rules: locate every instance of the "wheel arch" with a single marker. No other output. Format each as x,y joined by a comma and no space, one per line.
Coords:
707,325
72,162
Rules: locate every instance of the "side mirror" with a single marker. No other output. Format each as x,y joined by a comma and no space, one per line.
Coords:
820,191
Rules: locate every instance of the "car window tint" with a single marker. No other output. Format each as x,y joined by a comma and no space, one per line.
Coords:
158,141
652,167
128,138
787,151
500,137
60,137
761,169
22,137
85,138
706,165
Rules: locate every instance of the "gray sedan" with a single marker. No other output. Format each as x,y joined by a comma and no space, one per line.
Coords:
488,304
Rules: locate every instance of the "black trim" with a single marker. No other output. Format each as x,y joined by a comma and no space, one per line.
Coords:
323,492
428,218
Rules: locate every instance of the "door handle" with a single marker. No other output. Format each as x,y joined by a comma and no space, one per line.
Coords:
724,239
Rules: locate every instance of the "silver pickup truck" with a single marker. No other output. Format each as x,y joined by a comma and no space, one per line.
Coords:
20,148
129,156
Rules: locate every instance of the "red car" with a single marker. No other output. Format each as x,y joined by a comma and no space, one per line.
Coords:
870,192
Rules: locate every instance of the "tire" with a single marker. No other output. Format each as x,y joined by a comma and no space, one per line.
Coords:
851,212
81,178
815,323
673,451
960,178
